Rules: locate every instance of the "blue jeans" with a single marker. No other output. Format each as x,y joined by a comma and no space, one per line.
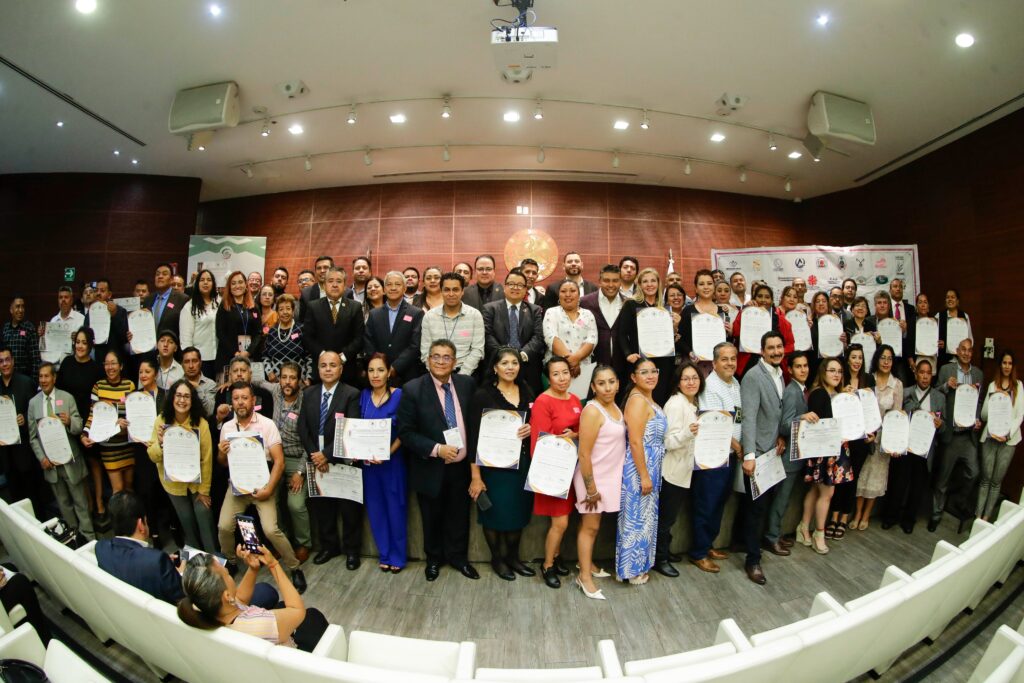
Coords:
710,491
264,595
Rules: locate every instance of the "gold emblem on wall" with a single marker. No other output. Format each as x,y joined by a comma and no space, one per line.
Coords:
535,244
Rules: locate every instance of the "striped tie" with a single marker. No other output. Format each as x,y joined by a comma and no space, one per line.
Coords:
513,327
324,405
449,406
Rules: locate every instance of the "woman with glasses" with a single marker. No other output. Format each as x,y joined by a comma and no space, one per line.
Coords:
283,343
117,453
190,500
873,477
636,537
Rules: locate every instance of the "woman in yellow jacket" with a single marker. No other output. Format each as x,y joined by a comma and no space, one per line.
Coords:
188,482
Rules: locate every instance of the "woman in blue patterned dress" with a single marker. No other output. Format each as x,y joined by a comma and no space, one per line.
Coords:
635,540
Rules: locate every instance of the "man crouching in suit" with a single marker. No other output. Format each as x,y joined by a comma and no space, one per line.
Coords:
432,426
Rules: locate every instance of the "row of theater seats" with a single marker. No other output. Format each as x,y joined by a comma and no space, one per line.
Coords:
1003,661
836,642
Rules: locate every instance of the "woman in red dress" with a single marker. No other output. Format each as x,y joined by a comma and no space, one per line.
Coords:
764,298
555,411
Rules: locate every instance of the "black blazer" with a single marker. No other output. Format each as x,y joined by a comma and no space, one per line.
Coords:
472,296
608,350
421,426
229,325
310,294
148,569
345,399
531,331
176,302
345,336
118,337
402,344
850,327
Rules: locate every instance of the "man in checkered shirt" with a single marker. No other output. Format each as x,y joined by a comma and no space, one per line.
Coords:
21,338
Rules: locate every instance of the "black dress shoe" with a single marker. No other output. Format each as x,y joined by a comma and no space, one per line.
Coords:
299,581
907,528
502,570
888,525
520,567
756,574
550,575
325,556
665,568
469,571
432,571
352,562
933,523
675,557
560,568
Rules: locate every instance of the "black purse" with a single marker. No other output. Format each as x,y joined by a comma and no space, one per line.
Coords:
65,535
18,671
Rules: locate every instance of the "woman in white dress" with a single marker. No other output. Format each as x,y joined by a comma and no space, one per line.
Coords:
198,320
874,476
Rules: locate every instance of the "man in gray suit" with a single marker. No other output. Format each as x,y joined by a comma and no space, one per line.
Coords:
761,392
959,444
794,407
66,479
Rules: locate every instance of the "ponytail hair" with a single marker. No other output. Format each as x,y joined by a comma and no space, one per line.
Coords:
203,588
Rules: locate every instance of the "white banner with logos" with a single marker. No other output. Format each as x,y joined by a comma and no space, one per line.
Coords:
224,254
872,266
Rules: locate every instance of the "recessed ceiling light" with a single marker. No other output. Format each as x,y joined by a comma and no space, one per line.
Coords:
367,159
214,10
645,123
309,164
621,125
397,118
717,137
446,155
538,112
85,6
295,129
117,152
135,162
822,20
446,110
351,116
965,40
60,124
794,154
511,116
265,131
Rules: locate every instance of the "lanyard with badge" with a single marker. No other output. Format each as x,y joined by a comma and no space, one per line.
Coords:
244,340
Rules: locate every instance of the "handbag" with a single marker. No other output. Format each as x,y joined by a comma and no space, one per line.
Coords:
18,671
65,535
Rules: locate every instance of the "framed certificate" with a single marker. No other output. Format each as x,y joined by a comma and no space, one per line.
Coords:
552,467
872,413
54,437
498,445
99,321
895,439
999,412
140,411
10,433
247,463
364,439
867,342
819,439
768,471
847,409
957,330
104,422
143,329
339,481
922,431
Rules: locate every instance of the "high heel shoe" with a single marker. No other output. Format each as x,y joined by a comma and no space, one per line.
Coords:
803,534
596,572
596,595
819,543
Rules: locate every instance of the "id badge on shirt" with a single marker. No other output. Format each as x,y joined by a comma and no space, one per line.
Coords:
244,341
453,437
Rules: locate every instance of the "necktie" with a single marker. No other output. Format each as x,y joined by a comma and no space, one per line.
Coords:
324,405
513,327
158,303
334,311
449,407
49,407
897,311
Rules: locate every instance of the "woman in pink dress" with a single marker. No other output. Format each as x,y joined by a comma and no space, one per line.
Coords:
598,480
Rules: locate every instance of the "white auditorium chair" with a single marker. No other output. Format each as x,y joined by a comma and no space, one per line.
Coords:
887,648
728,641
989,549
8,536
436,657
572,675
1003,660
1011,515
28,535
824,608
60,664
755,664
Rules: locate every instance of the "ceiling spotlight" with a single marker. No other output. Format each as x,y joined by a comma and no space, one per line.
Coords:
686,169
788,185
794,154
265,131
540,155
397,118
645,123
621,124
511,116
295,129
717,137
446,110
309,163
135,162
816,159
743,175
538,112
615,160
367,159
201,148
446,155
85,6
771,142
214,10
60,124
247,170
965,40
117,152
351,116
822,20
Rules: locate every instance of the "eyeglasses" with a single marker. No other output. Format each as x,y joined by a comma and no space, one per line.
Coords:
484,269
182,397
438,358
514,285
645,373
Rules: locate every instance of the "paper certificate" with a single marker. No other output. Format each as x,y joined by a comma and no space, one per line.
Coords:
829,329
140,411
956,331
129,303
56,342
104,422
714,438
339,481
768,471
801,330
143,329
965,405
247,463
922,429
580,385
552,467
999,411
926,337
259,372
872,413
867,342
895,437
54,437
498,445
9,432
364,439
99,321
847,409
654,332
181,455
891,334
754,322
819,439
707,332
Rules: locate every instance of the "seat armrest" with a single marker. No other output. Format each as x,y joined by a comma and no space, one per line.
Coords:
465,667
729,632
332,644
608,659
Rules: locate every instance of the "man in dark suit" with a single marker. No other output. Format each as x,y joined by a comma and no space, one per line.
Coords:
534,292
165,303
606,305
118,336
905,314
510,321
794,407
394,330
362,271
835,302
432,426
572,264
335,323
24,475
318,290
485,290
321,404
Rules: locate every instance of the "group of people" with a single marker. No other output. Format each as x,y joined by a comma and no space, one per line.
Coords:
432,360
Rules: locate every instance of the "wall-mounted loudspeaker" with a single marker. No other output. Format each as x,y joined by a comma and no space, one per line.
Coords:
207,107
840,118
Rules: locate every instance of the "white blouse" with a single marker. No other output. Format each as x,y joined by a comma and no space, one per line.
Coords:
677,467
1016,419
199,332
573,334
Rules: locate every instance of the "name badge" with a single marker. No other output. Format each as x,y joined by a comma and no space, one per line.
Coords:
292,416
295,335
266,329
258,407
244,341
576,410
170,304
453,437
60,402
407,318
21,332
464,333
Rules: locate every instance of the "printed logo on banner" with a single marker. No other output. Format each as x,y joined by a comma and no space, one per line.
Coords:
881,279
757,265
800,263
734,264
842,263
812,280
821,263
881,263
833,280
860,264
226,253
900,264
777,265
861,280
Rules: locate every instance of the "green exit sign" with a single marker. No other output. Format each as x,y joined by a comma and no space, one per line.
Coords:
69,275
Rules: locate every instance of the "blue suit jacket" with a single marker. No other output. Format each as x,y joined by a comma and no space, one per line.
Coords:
148,569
